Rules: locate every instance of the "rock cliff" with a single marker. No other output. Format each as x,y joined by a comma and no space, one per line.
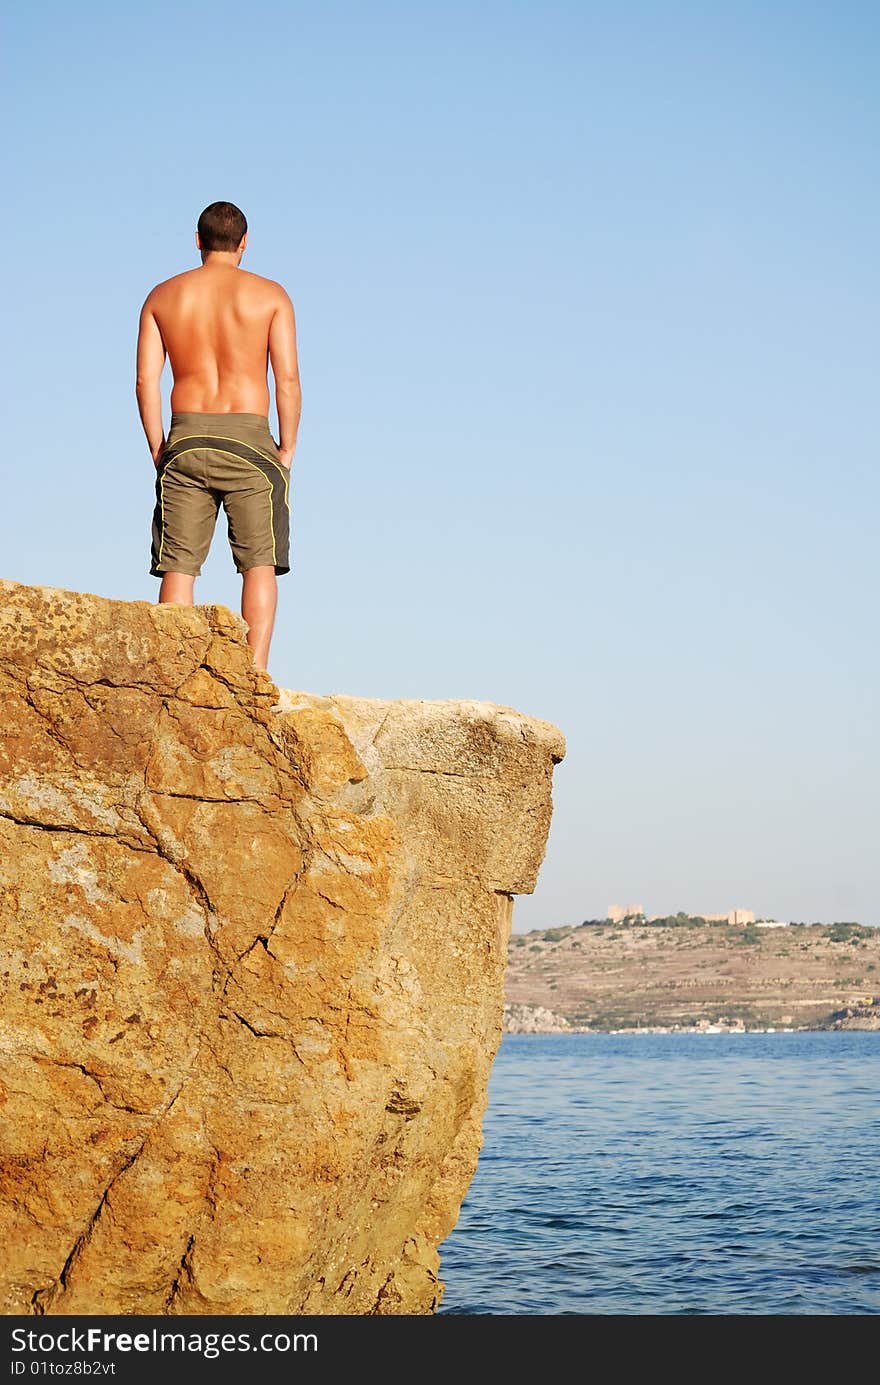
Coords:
533,1019
865,1016
252,967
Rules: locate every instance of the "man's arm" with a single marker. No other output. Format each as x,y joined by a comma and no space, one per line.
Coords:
150,362
285,368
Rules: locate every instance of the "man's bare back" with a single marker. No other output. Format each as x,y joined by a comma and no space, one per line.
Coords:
221,328
216,323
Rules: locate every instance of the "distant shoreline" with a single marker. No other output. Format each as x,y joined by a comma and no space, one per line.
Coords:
688,976
675,1033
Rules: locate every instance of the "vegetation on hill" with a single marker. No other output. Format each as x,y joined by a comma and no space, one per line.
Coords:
683,970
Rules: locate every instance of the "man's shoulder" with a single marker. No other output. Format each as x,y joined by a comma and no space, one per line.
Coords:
256,288
256,283
168,286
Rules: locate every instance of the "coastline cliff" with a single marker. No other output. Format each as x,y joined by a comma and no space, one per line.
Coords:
253,967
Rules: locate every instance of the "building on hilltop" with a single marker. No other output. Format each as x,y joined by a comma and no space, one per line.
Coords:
618,912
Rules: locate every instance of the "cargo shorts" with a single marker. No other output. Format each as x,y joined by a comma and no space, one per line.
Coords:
212,460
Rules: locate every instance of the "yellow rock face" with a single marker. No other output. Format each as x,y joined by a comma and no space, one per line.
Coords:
252,967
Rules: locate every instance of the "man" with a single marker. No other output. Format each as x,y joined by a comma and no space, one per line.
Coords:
220,327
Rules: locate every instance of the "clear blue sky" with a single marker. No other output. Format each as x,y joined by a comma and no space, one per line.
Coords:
588,313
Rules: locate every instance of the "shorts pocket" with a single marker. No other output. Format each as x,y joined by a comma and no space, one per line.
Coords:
277,449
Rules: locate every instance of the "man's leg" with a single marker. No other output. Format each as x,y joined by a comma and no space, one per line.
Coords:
177,587
259,597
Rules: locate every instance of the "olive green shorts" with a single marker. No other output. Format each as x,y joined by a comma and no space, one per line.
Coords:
212,460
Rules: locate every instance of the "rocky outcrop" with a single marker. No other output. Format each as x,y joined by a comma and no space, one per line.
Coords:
864,1016
253,962
533,1019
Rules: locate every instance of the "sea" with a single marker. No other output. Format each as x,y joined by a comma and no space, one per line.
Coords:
674,1173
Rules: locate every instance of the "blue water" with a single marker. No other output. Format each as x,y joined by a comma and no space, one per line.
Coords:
675,1174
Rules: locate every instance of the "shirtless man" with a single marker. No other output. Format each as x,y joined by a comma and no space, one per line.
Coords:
220,328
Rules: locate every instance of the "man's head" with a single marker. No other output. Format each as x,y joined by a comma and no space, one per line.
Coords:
222,230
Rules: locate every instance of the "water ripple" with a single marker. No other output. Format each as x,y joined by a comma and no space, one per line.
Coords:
674,1174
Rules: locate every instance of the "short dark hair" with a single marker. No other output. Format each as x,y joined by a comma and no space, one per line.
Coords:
221,226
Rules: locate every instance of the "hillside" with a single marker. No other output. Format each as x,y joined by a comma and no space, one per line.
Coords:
620,976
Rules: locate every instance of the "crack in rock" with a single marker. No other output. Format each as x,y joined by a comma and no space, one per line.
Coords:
44,1299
